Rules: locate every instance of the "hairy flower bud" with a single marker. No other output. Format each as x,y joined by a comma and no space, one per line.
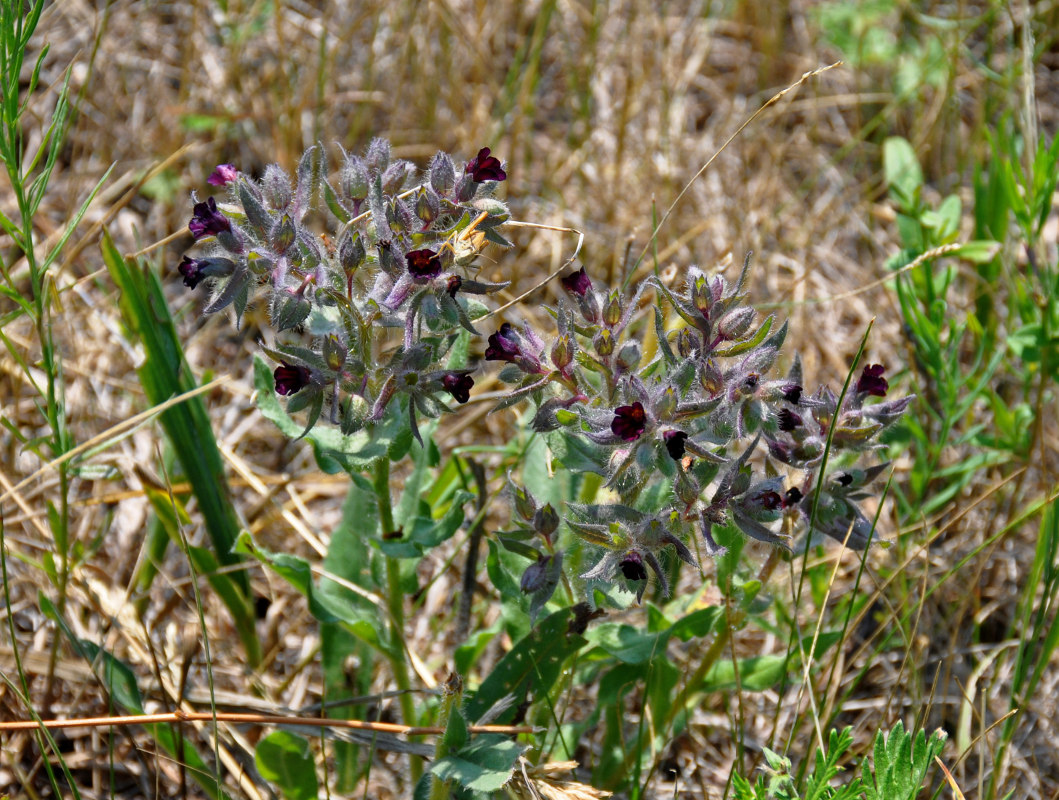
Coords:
562,352
334,352
612,309
353,179
428,205
442,174
396,176
604,342
701,295
686,488
276,188
282,235
525,505
666,406
545,520
536,575
351,253
687,343
465,189
629,356
377,158
736,322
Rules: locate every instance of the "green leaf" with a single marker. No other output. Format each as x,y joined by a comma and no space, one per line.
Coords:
164,374
485,765
286,760
626,643
117,677
980,251
903,174
533,664
576,454
358,614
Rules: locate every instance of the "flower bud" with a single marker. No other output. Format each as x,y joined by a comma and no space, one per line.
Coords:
276,188
351,253
223,175
525,505
378,156
686,488
282,235
465,189
402,220
536,575
612,309
736,322
562,352
667,403
291,379
687,343
428,206
701,296
711,379
442,174
545,521
194,270
396,176
334,352
629,356
577,283
604,342
353,179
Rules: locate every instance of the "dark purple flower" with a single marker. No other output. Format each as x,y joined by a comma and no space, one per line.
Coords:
675,443
290,379
577,282
789,420
196,270
872,381
632,567
459,386
423,264
792,393
455,284
223,175
207,220
484,167
629,421
792,497
768,499
503,345
191,270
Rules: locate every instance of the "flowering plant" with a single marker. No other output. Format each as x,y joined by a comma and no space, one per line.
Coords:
680,417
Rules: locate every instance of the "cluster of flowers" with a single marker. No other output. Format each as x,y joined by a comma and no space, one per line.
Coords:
398,260
691,413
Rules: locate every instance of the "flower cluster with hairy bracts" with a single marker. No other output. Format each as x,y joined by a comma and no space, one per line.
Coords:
380,300
684,420
699,435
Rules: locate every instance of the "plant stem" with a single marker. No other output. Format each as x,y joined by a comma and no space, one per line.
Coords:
395,605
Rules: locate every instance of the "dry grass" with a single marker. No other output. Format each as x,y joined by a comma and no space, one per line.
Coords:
603,112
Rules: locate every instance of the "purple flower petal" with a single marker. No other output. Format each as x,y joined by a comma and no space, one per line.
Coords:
223,175
629,422
206,220
484,167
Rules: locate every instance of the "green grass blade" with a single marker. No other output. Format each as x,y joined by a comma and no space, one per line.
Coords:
164,374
